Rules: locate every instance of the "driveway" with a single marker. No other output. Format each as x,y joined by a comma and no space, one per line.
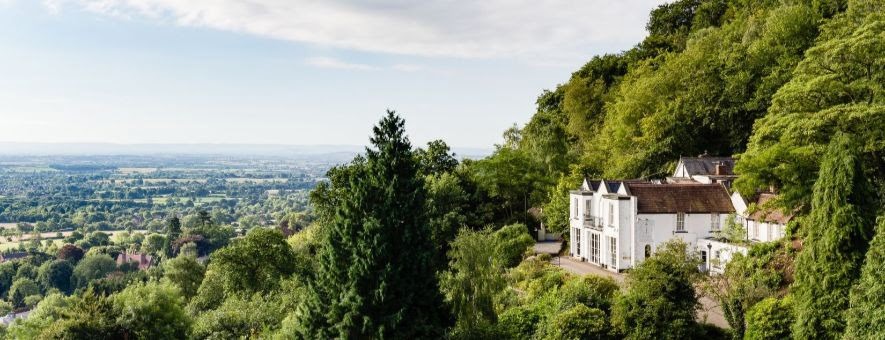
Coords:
708,313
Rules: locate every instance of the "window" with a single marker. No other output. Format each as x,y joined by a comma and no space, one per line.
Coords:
594,248
647,250
714,221
576,208
704,257
756,230
611,214
680,222
578,240
587,209
770,231
613,246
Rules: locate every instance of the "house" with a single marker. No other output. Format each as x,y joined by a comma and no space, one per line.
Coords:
13,256
763,223
617,224
144,261
704,169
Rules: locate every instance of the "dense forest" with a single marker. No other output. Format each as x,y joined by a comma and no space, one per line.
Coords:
410,242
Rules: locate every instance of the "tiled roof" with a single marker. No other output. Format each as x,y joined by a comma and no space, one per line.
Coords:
707,165
766,214
684,198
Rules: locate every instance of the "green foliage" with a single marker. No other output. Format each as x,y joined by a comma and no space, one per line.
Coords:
660,302
519,322
47,311
515,178
151,311
86,316
185,273
263,253
836,237
5,307
26,270
556,211
447,209
579,322
7,275
593,291
474,278
511,243
744,283
56,274
836,88
437,159
240,317
21,289
868,295
376,276
153,244
770,319
732,231
93,267
32,300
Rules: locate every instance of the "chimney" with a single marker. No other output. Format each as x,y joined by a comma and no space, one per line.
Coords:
720,169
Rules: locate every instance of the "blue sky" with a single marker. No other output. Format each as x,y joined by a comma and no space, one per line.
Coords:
293,71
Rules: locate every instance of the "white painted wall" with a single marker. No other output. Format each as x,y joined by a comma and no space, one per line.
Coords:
719,254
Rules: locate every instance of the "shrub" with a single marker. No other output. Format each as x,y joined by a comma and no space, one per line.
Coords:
769,319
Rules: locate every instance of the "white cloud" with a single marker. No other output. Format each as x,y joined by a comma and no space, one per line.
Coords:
543,31
325,62
407,67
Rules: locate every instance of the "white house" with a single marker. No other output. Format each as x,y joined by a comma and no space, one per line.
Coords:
764,224
617,224
704,169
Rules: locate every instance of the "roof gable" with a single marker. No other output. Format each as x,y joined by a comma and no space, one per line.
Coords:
705,166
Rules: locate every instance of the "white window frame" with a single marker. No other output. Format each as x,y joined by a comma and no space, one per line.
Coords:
578,240
611,214
613,248
594,248
714,222
588,205
576,207
680,222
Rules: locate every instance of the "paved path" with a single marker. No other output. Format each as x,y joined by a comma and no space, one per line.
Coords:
709,312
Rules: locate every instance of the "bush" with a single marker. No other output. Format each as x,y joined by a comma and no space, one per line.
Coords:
518,322
21,289
579,322
591,290
770,319
93,267
511,243
151,311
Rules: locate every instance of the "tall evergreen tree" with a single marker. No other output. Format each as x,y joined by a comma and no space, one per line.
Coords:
173,230
376,277
836,236
868,296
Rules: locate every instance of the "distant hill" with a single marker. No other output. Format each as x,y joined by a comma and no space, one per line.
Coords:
279,150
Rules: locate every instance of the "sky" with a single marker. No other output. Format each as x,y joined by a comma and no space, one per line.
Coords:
301,72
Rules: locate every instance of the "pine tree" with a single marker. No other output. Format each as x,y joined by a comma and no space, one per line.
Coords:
376,277
868,296
836,237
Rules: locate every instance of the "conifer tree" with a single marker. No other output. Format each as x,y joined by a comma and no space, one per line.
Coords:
376,277
868,296
836,237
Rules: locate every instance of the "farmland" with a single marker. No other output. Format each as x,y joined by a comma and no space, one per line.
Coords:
48,194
